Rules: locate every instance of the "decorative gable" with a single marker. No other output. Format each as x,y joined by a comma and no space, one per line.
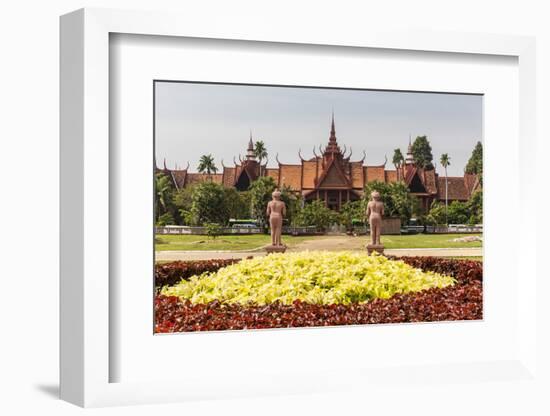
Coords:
333,178
416,185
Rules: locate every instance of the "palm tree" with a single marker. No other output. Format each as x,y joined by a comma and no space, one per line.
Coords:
260,152
445,161
397,160
162,190
206,165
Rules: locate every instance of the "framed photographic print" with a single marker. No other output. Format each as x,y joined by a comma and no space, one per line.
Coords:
289,214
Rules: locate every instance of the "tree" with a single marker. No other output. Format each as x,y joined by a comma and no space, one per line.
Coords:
207,165
260,152
475,207
350,211
316,214
398,158
458,213
183,201
237,203
260,194
166,219
208,204
293,203
437,214
422,153
163,194
213,230
475,163
445,161
398,202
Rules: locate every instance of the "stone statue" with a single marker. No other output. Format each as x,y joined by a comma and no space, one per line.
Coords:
276,210
375,212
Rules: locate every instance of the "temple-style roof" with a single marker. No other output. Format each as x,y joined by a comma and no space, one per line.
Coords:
457,190
330,171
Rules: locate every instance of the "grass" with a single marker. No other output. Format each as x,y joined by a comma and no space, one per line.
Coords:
254,241
427,241
223,242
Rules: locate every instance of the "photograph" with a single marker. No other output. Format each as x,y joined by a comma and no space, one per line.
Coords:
281,206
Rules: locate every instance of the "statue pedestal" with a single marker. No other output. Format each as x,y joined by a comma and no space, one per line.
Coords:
275,249
379,248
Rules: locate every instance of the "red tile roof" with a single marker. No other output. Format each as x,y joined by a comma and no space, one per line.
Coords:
228,176
290,175
178,177
196,178
357,175
374,173
457,190
391,176
274,173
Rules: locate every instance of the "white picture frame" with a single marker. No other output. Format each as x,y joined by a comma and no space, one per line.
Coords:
86,356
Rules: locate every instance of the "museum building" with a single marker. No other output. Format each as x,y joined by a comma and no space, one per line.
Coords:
333,177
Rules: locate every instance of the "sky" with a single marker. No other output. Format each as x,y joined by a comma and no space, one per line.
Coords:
193,119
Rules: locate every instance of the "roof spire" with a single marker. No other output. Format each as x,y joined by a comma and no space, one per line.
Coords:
332,128
250,155
409,160
250,142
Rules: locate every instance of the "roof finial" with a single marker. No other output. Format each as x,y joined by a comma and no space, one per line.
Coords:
250,155
332,128
409,159
250,142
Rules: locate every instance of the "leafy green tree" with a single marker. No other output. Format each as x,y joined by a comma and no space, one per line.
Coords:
316,214
422,152
475,163
164,190
213,230
475,207
398,158
208,204
260,194
260,151
237,203
207,165
458,213
445,161
183,201
437,214
293,204
398,202
350,211
166,219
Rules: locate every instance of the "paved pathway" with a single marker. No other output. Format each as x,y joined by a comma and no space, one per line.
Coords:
203,255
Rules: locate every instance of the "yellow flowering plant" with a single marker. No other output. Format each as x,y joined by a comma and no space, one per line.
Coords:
317,277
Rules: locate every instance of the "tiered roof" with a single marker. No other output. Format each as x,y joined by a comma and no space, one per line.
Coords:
332,169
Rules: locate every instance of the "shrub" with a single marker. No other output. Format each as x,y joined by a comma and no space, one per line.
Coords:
174,272
165,219
213,230
315,277
453,303
316,214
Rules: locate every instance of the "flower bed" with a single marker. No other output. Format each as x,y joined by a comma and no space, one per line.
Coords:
461,301
315,277
168,274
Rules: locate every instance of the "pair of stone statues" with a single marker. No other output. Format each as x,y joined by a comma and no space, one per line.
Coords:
276,210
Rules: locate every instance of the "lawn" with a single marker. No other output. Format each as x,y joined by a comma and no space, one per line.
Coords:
223,242
427,241
255,241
